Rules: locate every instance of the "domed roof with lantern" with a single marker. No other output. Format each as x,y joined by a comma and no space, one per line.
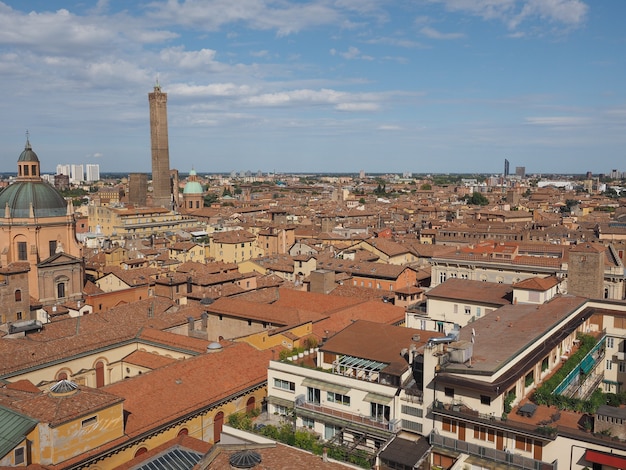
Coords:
30,196
192,186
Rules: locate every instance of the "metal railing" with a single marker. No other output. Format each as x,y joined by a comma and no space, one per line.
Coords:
350,417
487,453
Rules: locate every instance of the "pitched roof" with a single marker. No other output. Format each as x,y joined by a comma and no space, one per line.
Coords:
168,394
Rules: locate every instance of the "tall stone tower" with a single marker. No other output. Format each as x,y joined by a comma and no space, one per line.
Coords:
161,184
137,189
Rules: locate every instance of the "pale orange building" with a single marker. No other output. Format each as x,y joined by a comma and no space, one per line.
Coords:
37,226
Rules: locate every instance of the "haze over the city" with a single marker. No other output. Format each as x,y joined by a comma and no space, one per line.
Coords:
318,86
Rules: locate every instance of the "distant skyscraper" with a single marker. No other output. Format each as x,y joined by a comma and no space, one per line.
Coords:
161,185
92,172
77,173
63,170
506,168
520,171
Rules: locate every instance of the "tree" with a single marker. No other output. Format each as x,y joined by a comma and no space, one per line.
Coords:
426,187
210,199
362,200
476,199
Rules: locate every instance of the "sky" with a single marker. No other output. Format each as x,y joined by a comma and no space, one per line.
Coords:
421,86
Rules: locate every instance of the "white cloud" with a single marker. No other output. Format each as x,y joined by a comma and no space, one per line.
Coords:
558,121
432,33
178,57
513,13
357,107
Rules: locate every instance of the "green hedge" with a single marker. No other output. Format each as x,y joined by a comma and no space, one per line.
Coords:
544,394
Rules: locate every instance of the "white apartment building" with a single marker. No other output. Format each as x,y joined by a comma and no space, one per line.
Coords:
64,169
368,384
92,172
77,173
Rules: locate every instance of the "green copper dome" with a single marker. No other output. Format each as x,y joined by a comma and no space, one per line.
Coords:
192,186
29,190
46,200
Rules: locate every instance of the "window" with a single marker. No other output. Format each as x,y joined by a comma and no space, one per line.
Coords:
622,366
448,391
21,251
19,455
285,385
478,311
338,398
468,310
455,309
529,379
308,422
609,342
52,246
448,424
18,315
313,395
609,364
544,364
485,400
60,290
330,431
18,295
484,434
89,421
523,443
379,412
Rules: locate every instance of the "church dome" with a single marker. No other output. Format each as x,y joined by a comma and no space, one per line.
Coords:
30,190
192,186
46,200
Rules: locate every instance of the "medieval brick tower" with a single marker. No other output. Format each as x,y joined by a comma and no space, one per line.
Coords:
161,183
585,273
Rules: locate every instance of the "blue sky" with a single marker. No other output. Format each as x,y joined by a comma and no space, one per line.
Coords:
318,86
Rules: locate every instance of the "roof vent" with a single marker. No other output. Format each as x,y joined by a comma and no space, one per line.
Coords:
245,459
214,347
63,388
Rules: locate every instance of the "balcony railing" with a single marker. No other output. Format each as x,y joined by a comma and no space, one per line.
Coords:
346,416
498,456
459,410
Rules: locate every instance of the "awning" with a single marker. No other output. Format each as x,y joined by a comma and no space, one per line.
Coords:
314,383
376,398
610,460
280,401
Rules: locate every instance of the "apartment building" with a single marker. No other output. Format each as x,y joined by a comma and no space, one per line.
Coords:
136,222
510,263
361,387
496,363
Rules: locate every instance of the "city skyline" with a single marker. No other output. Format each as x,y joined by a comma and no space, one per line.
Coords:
434,86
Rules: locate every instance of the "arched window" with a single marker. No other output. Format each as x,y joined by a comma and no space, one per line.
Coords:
99,374
141,451
250,405
183,432
62,283
62,376
218,422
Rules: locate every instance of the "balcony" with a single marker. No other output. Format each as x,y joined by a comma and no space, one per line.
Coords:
344,418
502,457
460,411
